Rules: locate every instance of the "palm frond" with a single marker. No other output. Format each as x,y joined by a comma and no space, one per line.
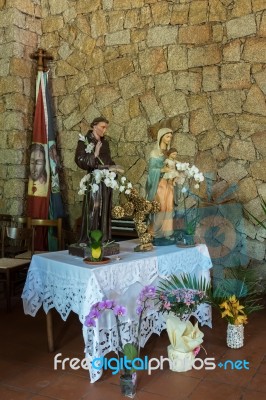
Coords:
184,282
241,282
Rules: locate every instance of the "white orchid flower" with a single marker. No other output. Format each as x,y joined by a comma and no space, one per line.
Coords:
81,137
121,188
89,148
94,187
123,179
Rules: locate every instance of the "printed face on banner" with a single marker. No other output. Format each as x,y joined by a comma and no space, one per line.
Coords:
38,178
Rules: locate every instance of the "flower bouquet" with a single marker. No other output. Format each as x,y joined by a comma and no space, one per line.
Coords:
180,297
236,297
128,353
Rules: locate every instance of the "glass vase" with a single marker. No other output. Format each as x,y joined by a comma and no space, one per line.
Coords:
128,385
235,336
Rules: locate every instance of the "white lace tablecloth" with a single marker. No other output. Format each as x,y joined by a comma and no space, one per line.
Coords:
64,282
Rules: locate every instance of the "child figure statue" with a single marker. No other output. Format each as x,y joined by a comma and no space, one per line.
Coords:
170,164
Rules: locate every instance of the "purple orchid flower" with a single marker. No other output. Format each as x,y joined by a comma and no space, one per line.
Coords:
120,310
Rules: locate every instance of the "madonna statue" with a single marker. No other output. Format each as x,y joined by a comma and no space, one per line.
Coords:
161,189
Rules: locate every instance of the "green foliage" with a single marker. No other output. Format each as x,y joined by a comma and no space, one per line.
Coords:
96,236
131,352
241,282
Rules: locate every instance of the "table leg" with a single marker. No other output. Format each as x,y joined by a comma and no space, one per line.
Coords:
49,328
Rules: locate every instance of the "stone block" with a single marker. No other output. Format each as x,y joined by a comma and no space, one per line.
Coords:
163,83
255,50
135,129
249,124
210,80
152,62
247,190
150,104
259,140
174,103
235,76
117,69
196,34
179,14
177,58
240,8
242,26
232,172
205,55
260,78
118,38
160,13
131,85
200,121
255,101
258,169
231,51
198,12
85,6
242,150
226,102
258,5
185,145
188,81
98,24
209,140
161,36
218,11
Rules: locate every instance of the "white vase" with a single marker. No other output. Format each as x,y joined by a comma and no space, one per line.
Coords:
235,336
180,362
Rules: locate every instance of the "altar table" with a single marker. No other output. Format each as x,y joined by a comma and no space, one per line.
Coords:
65,282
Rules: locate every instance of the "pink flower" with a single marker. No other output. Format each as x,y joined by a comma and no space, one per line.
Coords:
167,305
90,321
120,310
196,351
94,313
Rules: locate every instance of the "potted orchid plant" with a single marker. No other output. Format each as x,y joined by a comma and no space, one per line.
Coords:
187,200
127,352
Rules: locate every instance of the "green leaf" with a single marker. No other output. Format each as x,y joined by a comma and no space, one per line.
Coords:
96,235
130,351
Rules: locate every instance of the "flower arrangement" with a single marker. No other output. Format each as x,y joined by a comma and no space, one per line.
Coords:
130,351
181,296
110,178
237,295
233,312
188,183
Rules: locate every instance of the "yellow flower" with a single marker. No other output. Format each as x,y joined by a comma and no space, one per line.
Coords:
233,311
241,319
227,313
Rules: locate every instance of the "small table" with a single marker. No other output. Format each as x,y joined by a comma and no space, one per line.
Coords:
66,283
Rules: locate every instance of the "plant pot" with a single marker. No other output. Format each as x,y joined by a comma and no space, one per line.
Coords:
180,362
235,336
128,385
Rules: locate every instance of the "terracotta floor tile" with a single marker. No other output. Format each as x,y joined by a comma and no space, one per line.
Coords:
258,383
210,390
67,387
9,393
33,378
174,382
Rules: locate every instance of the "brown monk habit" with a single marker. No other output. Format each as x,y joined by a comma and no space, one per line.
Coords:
96,210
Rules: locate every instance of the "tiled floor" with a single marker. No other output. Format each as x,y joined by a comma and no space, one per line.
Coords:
26,368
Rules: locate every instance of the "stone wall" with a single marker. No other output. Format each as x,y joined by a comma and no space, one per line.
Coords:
197,66
20,30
